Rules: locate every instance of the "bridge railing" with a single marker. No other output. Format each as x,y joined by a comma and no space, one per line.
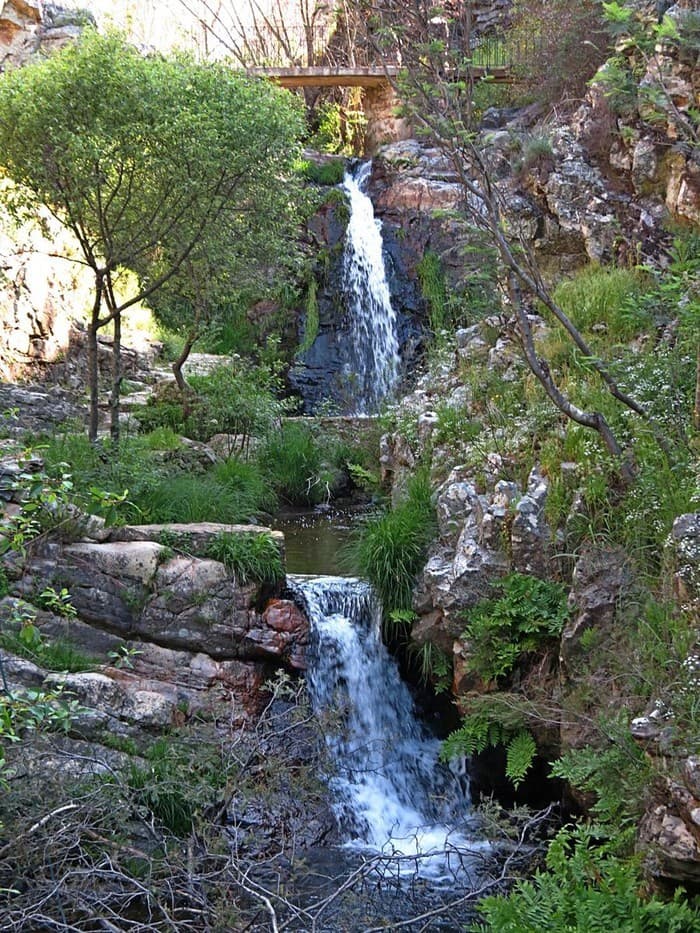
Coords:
496,51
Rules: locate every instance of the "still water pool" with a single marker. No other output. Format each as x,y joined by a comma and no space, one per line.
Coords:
316,539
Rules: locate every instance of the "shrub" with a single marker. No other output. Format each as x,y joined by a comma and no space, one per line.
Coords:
330,172
528,613
248,556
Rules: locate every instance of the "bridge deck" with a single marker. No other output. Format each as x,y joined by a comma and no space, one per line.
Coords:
355,77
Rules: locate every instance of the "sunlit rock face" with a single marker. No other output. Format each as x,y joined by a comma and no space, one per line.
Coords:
19,20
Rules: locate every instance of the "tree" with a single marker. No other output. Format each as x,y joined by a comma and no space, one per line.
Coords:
436,84
142,157
265,32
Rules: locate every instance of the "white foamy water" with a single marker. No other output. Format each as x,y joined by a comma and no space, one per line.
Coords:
391,794
373,354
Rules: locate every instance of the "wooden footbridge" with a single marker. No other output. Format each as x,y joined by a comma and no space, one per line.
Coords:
362,77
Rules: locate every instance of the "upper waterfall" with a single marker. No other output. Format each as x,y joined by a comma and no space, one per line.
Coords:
372,355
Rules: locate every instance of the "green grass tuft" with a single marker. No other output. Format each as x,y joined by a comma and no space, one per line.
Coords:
249,557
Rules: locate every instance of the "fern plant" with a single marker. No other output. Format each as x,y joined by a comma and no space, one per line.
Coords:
528,613
494,721
587,888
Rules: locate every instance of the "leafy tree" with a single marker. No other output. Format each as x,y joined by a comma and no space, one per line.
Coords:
143,158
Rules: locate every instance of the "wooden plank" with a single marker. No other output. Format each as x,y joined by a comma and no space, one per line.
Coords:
353,77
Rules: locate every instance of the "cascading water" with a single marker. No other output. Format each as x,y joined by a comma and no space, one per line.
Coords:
372,353
391,794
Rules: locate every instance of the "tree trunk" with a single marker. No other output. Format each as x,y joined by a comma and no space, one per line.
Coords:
539,368
696,407
92,361
114,406
180,362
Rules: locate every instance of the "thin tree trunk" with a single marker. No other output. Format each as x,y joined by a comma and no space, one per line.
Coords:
92,361
589,419
696,408
114,398
181,360
114,401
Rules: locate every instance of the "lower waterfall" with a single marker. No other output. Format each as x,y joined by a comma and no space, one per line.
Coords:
392,796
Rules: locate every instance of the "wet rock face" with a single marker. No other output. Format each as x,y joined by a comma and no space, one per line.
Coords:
320,375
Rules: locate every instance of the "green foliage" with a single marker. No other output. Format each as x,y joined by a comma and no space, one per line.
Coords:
389,549
162,787
602,300
160,172
123,656
22,637
32,710
449,309
650,100
329,172
536,150
311,320
238,398
493,720
617,774
586,888
57,601
527,615
248,557
435,665
434,288
454,426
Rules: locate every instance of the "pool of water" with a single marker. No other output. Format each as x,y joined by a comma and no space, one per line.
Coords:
316,539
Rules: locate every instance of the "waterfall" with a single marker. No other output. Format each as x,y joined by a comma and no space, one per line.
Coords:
391,794
372,353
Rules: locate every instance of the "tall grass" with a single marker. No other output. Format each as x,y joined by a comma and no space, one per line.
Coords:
248,556
232,492
603,299
291,459
390,549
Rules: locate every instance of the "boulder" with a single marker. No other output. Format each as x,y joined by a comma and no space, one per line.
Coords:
600,579
684,553
530,536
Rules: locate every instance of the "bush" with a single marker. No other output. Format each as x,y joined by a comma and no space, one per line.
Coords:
330,172
587,888
237,398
